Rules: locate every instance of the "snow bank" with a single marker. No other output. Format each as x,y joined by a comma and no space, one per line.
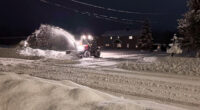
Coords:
95,62
175,65
46,53
23,92
13,52
35,54
149,59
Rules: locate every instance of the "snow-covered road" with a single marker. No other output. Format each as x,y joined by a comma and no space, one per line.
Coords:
103,74
112,58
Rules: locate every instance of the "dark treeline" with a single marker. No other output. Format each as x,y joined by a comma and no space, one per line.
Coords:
161,37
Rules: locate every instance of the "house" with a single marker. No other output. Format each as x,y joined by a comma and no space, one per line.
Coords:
124,39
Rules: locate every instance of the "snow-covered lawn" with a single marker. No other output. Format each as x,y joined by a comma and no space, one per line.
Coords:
172,65
129,60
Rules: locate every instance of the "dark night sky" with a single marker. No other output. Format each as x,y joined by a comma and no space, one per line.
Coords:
22,17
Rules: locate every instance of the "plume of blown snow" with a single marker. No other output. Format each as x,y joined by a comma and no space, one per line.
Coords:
49,37
49,42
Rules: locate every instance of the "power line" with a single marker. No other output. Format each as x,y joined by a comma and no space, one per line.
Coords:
98,16
113,10
20,37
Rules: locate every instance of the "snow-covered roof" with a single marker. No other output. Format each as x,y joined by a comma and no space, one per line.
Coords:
122,33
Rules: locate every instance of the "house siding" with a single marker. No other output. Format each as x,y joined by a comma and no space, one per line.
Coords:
113,43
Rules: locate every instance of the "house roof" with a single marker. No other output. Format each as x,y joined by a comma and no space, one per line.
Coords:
122,33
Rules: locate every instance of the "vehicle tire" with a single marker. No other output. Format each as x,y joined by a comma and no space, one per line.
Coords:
86,54
97,54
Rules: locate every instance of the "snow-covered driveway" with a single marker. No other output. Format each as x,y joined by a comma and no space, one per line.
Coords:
112,58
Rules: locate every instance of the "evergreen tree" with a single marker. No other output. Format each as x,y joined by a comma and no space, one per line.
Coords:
175,46
189,26
145,41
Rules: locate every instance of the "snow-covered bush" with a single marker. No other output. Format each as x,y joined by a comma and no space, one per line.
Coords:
174,49
175,46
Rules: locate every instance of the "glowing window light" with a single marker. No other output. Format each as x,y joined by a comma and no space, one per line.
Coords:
107,45
130,37
128,46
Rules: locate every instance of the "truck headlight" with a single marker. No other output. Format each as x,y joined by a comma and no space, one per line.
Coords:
90,37
83,37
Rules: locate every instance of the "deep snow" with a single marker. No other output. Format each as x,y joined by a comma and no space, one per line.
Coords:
103,74
169,65
23,92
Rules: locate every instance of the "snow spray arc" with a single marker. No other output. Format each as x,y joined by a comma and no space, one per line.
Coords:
49,37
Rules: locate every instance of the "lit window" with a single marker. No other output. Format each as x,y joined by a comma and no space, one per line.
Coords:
118,37
111,38
130,37
128,46
119,45
107,45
